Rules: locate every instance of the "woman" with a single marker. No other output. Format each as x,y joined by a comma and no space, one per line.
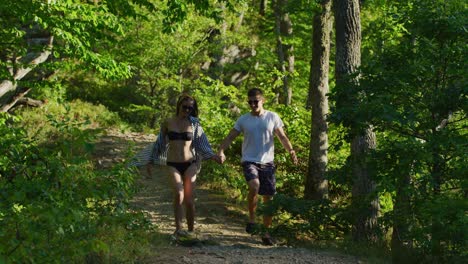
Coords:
182,145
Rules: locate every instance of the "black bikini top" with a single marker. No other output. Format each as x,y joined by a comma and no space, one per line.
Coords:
187,136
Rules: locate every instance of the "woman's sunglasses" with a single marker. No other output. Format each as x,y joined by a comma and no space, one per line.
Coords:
187,108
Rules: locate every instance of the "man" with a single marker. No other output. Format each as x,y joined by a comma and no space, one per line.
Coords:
258,127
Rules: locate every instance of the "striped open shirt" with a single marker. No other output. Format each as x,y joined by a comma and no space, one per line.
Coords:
156,152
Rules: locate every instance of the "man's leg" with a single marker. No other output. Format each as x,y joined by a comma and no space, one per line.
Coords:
267,219
251,176
267,190
252,198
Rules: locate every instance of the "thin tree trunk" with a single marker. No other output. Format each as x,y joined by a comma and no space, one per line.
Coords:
316,184
152,95
436,173
263,7
239,21
401,214
220,54
348,60
285,51
437,170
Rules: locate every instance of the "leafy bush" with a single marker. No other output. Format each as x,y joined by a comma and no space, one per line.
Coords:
77,114
55,207
320,220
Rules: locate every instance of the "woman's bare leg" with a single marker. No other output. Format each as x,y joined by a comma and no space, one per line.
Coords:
190,177
178,190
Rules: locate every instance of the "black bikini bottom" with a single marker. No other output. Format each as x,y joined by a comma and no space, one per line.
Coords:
180,166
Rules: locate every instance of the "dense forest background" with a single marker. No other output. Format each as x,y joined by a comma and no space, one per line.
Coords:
373,94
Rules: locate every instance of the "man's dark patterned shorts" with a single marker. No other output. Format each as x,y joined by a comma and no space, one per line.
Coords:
265,173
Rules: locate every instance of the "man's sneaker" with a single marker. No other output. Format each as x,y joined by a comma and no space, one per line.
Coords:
268,241
250,228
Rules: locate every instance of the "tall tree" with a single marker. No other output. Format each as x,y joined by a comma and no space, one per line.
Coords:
348,60
284,49
416,91
316,186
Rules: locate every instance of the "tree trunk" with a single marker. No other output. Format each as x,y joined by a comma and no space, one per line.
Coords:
316,183
436,173
364,199
285,51
239,21
348,60
152,95
263,7
401,215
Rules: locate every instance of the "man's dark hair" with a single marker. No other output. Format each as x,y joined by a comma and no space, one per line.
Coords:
254,92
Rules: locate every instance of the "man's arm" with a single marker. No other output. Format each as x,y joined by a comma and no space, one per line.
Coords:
226,142
286,143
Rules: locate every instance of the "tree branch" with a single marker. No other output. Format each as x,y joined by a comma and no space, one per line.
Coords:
15,99
31,60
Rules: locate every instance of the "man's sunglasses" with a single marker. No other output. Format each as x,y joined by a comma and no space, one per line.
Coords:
253,102
187,108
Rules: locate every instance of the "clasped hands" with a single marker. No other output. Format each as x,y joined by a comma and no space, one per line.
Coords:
219,158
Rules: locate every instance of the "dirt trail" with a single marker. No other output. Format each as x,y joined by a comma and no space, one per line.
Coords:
219,225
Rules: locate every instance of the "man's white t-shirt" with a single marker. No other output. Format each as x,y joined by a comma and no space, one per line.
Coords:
259,134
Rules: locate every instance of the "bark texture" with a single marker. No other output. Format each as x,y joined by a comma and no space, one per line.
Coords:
263,7
401,210
20,67
364,199
348,59
285,51
316,183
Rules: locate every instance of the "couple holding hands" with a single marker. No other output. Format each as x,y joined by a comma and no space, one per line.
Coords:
182,144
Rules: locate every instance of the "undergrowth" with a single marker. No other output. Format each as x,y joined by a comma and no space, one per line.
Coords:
57,207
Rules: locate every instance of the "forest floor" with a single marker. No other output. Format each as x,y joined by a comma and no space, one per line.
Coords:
220,224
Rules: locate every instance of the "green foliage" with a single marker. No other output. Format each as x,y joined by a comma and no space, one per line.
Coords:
217,117
77,116
290,179
178,11
77,28
320,220
163,66
55,207
413,91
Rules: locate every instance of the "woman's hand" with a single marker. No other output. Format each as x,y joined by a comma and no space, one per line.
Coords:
218,159
222,157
